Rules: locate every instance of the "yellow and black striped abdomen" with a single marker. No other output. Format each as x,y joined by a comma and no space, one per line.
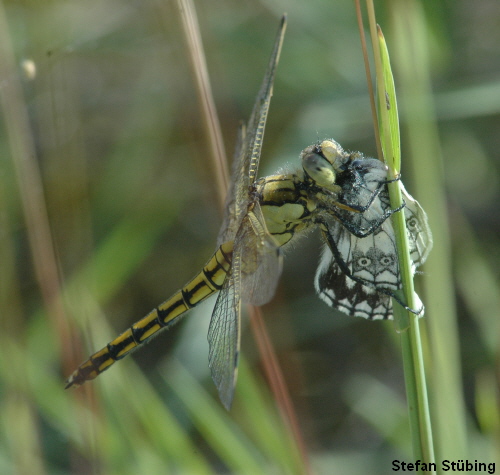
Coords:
206,283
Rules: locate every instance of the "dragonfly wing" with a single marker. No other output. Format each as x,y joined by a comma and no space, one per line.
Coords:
255,270
239,182
247,154
261,259
239,225
224,335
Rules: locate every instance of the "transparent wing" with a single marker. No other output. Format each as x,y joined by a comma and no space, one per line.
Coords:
261,259
247,155
232,208
224,336
255,267
254,274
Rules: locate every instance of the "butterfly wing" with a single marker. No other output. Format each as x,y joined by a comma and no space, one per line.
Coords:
363,204
360,275
417,227
354,271
339,291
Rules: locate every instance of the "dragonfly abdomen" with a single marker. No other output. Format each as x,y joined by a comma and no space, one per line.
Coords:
205,283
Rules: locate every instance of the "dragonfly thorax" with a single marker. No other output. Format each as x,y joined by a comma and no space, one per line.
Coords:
286,205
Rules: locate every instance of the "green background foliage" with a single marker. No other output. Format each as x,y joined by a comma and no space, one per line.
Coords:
131,202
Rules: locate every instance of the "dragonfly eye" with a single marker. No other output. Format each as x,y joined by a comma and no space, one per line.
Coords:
318,168
333,152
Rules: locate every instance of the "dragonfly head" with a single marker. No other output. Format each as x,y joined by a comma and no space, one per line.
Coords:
322,161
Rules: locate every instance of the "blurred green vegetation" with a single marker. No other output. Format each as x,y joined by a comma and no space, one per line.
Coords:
117,136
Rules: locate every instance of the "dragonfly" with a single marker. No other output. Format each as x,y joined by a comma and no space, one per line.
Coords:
343,193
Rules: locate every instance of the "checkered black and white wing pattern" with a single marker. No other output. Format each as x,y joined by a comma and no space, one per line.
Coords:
417,226
348,296
360,275
357,275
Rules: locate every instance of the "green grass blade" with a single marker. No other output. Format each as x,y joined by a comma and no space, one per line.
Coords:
406,322
413,49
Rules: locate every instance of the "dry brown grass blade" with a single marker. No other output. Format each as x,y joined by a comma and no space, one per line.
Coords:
371,93
29,182
277,383
211,122
270,363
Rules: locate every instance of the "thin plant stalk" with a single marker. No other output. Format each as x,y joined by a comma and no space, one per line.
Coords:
210,119
411,48
212,125
406,322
